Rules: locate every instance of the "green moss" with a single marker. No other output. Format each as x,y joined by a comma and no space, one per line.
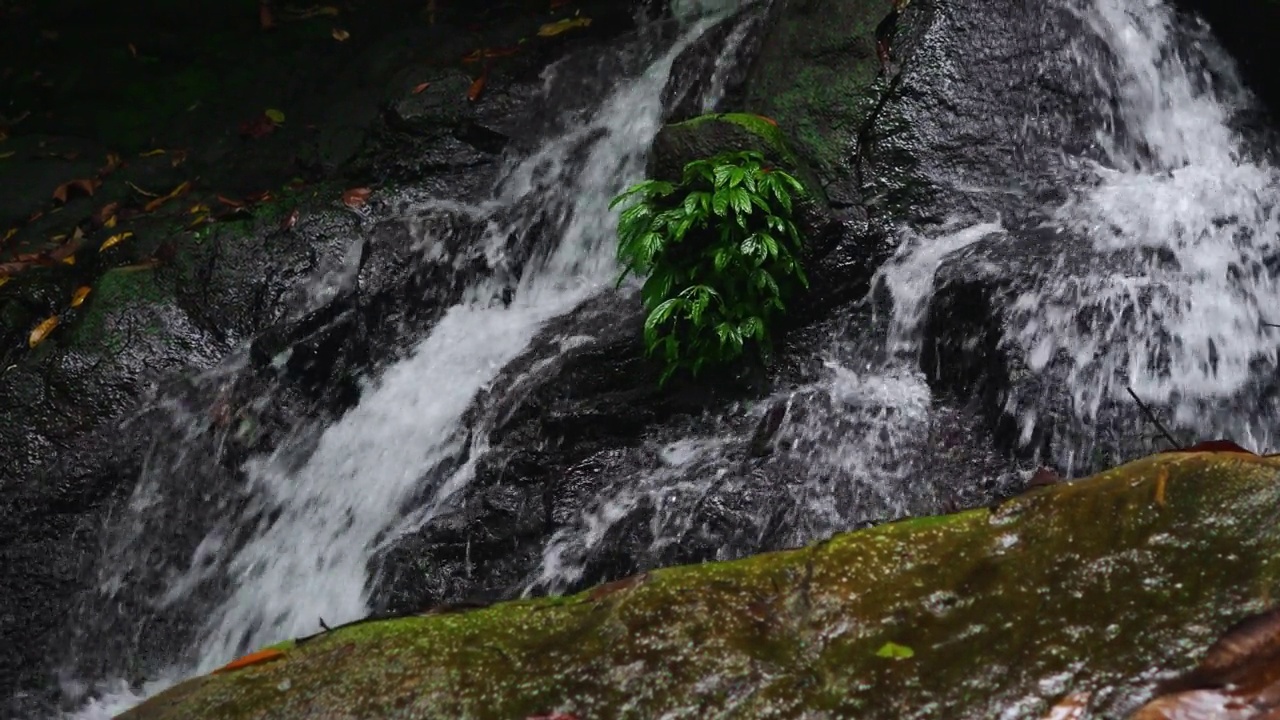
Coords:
816,76
113,291
1084,586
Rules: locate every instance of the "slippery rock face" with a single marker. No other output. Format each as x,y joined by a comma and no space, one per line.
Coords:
1080,587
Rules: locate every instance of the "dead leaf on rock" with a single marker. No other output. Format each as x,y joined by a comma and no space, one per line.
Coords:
417,89
356,197
86,186
290,220
340,35
3,279
229,202
257,658
182,189
42,331
140,191
560,26
477,85
106,214
114,240
77,297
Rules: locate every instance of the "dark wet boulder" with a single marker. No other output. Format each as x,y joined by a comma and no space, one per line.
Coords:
1246,29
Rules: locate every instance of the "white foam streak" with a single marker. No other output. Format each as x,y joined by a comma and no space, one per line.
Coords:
312,561
1182,228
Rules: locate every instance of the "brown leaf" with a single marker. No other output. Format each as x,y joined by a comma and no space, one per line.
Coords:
477,86
290,220
133,50
177,157
84,185
1043,477
340,35
259,197
266,19
182,189
114,240
106,213
77,297
229,202
417,89
356,197
256,658
42,331
3,279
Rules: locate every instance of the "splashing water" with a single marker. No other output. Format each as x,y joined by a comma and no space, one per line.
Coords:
1181,230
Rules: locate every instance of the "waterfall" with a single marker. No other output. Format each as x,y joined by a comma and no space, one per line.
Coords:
1181,225
317,524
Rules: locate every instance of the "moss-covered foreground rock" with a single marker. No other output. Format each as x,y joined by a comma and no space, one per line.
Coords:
1102,585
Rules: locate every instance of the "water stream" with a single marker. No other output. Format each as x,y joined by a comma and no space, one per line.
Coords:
1164,283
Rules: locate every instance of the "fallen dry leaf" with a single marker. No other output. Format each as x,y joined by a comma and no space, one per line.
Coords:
42,331
290,220
417,89
477,86
8,235
133,50
7,155
177,157
106,214
77,297
257,658
115,240
230,202
274,116
69,260
3,279
84,185
153,153
182,189
356,197
560,26
340,35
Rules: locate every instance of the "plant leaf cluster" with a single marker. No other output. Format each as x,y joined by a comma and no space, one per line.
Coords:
719,254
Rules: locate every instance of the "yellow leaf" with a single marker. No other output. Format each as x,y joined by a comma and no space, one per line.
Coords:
110,223
6,155
3,279
153,153
69,260
198,208
8,235
340,35
77,298
59,238
42,331
559,26
115,240
274,115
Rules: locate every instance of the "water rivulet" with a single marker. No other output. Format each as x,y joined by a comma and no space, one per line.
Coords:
1076,208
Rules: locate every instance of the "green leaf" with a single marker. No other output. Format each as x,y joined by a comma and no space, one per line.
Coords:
895,651
741,201
720,202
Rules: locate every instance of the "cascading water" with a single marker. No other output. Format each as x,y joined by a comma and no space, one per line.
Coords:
1181,225
321,522
1169,292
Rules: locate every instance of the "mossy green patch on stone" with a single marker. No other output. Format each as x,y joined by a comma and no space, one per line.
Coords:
114,291
1090,585
817,76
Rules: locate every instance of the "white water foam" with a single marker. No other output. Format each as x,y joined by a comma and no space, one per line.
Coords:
1182,226
311,559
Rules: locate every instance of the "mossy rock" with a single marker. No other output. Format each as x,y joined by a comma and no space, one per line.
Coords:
1096,585
678,144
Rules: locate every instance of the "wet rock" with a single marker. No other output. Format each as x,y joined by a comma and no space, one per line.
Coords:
1244,28
919,589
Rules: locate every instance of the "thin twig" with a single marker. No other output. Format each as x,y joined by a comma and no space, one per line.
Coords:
326,627
1152,417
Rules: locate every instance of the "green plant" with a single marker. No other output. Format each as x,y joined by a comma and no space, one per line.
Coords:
720,256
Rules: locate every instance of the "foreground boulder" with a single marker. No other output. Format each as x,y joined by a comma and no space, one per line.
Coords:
1084,587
